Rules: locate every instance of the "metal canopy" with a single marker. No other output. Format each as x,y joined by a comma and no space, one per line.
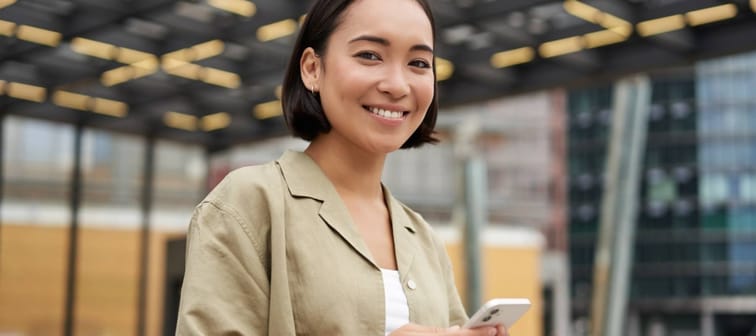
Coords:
161,67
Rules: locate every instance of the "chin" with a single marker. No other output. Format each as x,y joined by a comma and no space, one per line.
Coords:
386,148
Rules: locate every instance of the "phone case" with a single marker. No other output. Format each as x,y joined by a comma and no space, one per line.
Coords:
499,311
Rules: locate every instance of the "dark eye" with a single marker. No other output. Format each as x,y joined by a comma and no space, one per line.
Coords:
368,55
420,64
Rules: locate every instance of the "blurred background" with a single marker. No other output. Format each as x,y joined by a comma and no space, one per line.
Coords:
598,157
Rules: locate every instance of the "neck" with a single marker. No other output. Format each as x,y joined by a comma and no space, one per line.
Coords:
354,173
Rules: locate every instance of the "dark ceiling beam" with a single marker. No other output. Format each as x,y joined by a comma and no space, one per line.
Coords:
681,41
487,74
494,9
513,36
673,8
583,61
719,40
618,8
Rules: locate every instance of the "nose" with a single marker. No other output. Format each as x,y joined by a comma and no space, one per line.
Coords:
394,82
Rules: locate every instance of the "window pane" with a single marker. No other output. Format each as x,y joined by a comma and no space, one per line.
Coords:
110,221
35,219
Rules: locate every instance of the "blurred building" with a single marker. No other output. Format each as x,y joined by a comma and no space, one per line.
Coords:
112,287
693,269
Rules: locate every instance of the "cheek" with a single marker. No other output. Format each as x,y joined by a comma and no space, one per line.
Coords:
425,93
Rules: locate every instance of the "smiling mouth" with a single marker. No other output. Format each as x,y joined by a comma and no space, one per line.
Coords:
394,115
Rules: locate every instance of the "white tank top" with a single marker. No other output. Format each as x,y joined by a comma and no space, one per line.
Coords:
397,310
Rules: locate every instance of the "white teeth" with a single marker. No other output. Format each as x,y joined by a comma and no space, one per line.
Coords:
386,113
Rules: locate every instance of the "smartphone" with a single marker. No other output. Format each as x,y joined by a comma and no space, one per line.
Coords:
499,311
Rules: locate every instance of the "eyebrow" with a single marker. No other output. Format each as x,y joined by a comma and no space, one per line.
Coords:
385,42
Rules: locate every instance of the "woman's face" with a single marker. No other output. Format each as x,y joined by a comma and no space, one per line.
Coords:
376,82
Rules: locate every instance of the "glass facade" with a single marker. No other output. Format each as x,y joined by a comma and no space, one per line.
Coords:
727,163
696,221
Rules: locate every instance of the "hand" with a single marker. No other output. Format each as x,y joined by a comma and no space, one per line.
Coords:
411,329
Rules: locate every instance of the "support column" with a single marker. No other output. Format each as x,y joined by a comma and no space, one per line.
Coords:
472,189
2,177
561,323
144,241
73,232
616,236
707,323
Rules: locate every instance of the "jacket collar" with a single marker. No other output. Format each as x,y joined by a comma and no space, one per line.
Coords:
304,178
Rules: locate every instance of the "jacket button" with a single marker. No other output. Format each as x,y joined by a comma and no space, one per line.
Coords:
411,284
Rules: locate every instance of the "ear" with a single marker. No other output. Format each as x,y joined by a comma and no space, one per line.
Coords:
310,67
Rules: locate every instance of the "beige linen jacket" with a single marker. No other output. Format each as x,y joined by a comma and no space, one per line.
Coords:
272,250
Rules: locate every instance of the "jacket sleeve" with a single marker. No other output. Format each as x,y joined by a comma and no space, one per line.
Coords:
225,290
457,314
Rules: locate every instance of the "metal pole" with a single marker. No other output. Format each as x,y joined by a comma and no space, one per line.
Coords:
473,192
2,177
476,213
144,241
73,232
619,206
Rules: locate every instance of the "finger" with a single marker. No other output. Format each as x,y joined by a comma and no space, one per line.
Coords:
483,331
502,330
415,329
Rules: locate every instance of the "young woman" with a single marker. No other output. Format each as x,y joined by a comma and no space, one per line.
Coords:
313,243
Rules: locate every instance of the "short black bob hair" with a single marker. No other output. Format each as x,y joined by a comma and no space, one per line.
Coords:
302,109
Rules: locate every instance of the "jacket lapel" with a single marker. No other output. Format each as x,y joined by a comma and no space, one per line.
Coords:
305,179
405,241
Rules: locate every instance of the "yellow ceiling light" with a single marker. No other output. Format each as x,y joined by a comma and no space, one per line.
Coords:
711,14
239,7
207,49
279,91
276,30
268,110
184,55
583,11
145,67
221,78
110,107
128,56
180,120
602,38
26,92
561,46
38,35
169,63
93,48
117,76
512,57
302,18
2,87
215,121
661,25
444,69
753,5
197,52
616,24
186,70
71,100
596,16
7,28
6,3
